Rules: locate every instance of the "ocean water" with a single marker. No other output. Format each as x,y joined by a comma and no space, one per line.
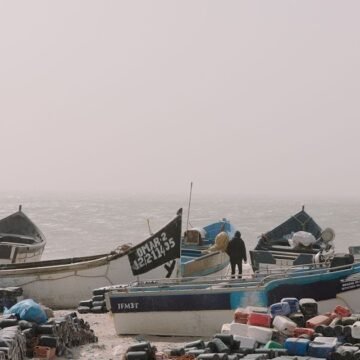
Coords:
86,224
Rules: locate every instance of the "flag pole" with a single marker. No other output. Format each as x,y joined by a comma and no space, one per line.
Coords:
188,214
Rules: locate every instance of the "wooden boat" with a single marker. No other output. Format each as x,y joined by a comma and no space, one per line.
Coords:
63,283
274,248
200,307
20,239
199,254
203,238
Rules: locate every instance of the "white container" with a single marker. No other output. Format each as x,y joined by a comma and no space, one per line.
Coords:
355,330
246,342
238,329
261,334
331,341
225,329
284,325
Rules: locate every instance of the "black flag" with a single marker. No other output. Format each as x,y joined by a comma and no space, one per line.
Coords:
158,249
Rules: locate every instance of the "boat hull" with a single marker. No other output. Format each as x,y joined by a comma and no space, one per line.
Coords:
20,239
212,264
201,311
60,284
184,323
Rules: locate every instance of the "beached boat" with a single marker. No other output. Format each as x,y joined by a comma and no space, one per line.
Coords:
63,283
200,253
20,239
277,247
203,238
200,307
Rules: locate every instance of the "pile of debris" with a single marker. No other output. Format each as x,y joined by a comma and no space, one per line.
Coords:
288,330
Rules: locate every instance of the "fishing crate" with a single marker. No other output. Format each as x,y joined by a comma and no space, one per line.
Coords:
44,352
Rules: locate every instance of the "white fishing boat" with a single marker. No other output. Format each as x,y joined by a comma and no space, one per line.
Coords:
200,307
63,283
20,239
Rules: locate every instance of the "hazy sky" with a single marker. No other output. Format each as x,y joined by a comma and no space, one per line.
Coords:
246,97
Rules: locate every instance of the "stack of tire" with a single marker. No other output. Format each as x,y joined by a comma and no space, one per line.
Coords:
97,303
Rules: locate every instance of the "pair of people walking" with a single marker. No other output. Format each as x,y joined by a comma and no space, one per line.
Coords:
237,252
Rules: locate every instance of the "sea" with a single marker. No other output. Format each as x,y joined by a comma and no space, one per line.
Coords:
79,224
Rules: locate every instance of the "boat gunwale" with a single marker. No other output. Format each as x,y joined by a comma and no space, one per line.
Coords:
59,265
153,287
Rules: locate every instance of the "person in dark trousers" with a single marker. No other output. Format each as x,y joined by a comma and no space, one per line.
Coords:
237,253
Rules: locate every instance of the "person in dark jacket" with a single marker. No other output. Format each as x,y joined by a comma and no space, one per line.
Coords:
237,253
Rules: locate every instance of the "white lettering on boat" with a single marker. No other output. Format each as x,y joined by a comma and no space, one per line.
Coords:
128,306
153,250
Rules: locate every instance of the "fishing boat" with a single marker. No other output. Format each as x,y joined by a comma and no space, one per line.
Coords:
20,239
200,307
63,283
201,254
204,237
294,242
203,249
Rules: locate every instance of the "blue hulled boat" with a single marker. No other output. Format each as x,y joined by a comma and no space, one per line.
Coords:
276,247
201,250
200,307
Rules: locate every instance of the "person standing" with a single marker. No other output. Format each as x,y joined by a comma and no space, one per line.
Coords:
237,253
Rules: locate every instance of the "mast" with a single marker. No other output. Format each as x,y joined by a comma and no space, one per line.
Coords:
188,214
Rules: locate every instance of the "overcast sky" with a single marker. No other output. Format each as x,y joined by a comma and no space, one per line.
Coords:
245,97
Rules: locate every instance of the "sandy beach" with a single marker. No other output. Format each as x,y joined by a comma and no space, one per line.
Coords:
112,346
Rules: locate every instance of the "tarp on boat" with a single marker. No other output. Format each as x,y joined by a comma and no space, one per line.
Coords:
280,235
163,246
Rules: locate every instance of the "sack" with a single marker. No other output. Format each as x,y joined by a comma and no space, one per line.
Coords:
221,242
28,310
303,238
